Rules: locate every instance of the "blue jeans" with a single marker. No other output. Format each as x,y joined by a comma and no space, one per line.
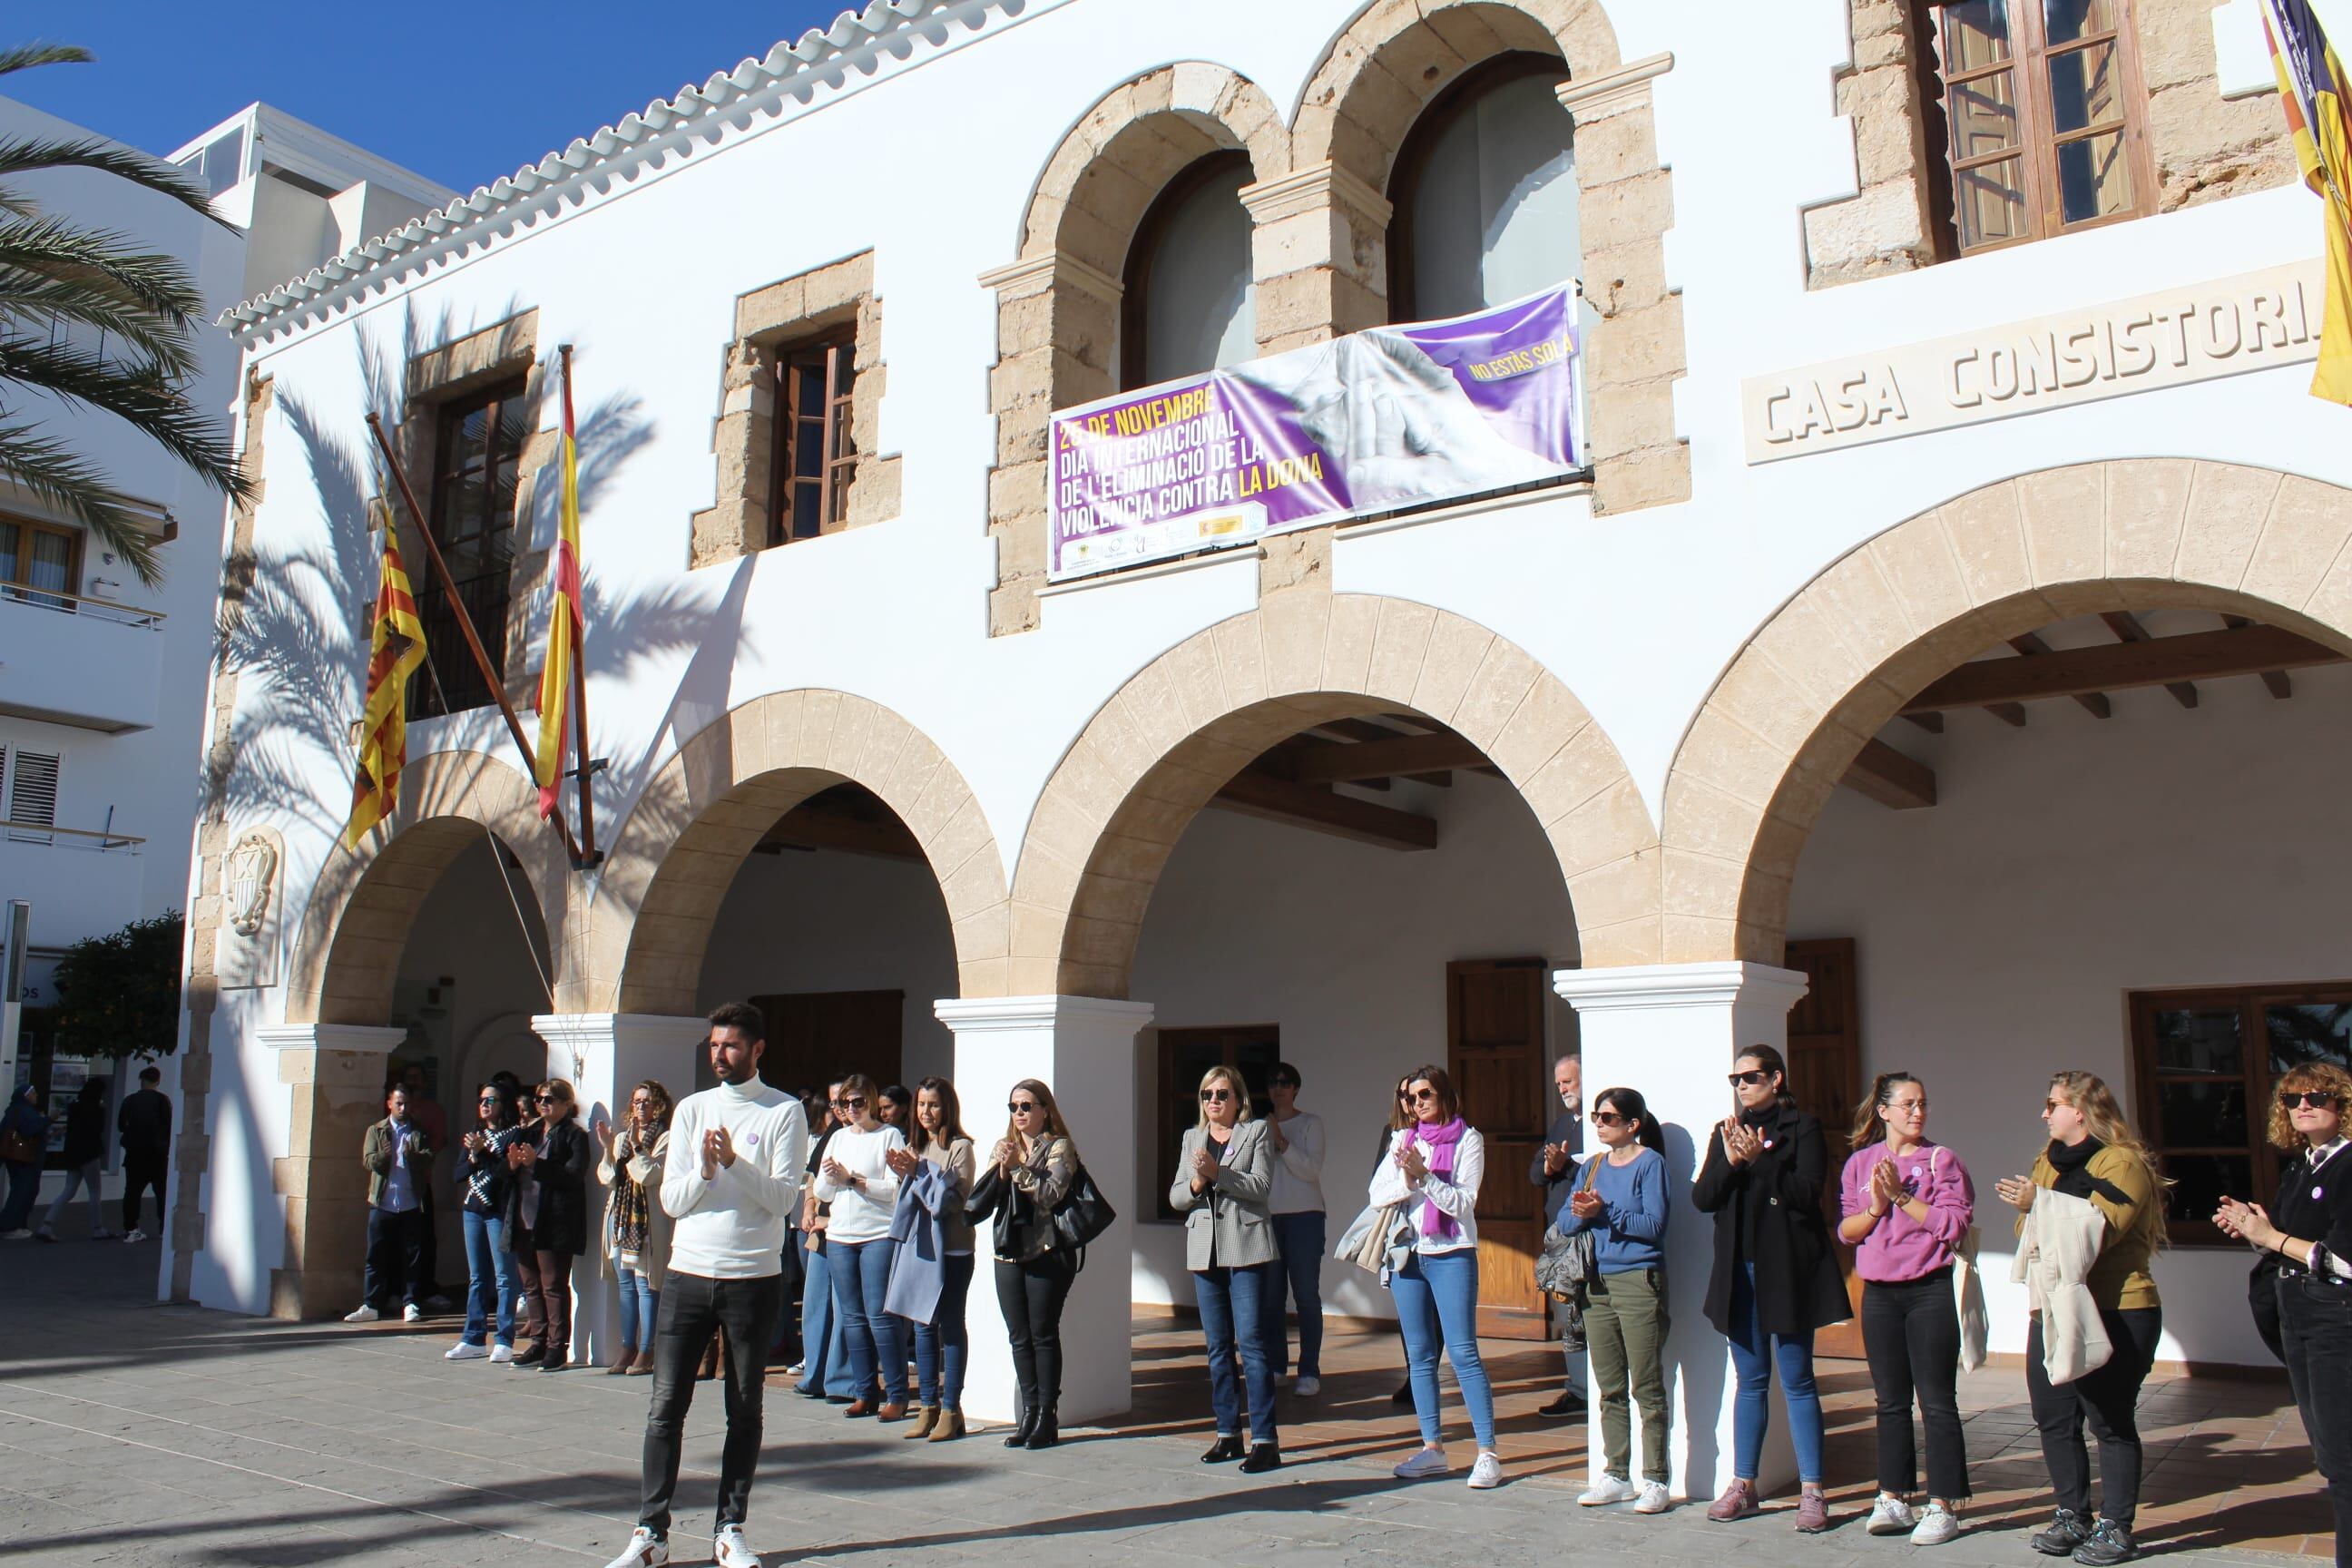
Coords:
861,1278
491,1287
1751,1412
1232,1304
1299,1275
1437,1303
639,1303
24,1183
941,1346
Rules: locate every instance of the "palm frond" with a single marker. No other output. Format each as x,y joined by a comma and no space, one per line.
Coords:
25,57
139,394
77,488
22,155
53,247
26,304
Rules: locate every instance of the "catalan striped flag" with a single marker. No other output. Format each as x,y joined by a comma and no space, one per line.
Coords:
395,647
565,624
2311,82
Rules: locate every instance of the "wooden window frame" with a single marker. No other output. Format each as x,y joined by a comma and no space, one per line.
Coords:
2038,141
20,587
1134,302
2250,1002
447,652
837,463
1412,160
1178,1106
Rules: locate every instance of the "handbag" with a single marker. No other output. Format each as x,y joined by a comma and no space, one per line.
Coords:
1552,1272
1083,1214
1365,1242
1967,1299
16,1149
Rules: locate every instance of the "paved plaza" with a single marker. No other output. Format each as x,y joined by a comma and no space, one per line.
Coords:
135,1433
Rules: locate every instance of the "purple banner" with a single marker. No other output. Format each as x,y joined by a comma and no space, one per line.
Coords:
1392,418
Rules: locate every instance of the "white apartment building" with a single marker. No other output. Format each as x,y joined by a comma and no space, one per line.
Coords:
1931,657
102,678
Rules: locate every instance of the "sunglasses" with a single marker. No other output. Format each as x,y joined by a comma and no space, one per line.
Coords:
2051,1105
2309,1100
487,1099
1609,1119
1214,1094
1750,1079
853,1102
1282,1083
545,1099
1020,1106
1427,1094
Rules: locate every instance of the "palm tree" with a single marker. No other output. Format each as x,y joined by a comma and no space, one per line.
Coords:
86,320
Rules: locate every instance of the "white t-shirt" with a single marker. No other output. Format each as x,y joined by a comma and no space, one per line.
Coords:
860,1212
1299,1169
732,1225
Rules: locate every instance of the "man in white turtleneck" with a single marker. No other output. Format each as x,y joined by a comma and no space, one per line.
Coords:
732,1184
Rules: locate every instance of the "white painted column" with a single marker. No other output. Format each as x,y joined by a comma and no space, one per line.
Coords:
1083,1048
1671,1031
606,1055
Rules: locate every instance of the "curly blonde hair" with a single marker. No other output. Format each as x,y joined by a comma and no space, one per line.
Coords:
2325,1078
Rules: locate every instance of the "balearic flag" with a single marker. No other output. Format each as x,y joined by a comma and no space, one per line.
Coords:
565,623
2311,82
395,647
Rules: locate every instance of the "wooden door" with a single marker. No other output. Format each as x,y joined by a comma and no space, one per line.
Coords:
816,1037
1825,1074
1495,1053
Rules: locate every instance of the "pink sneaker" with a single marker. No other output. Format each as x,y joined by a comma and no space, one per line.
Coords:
1812,1511
1737,1502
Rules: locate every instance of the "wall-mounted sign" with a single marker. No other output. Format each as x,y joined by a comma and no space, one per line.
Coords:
251,894
1377,420
2255,322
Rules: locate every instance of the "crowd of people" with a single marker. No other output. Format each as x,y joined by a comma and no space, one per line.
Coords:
873,1201
143,1129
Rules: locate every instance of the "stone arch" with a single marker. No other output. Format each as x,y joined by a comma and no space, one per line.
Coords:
1176,731
677,853
358,918
1839,659
1360,105
1057,306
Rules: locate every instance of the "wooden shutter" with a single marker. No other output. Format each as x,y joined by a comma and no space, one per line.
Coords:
33,797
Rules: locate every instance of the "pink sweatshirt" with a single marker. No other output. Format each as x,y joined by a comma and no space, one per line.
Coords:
1901,1248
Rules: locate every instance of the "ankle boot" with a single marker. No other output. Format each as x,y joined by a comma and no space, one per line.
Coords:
1024,1428
1047,1431
1263,1457
925,1419
950,1427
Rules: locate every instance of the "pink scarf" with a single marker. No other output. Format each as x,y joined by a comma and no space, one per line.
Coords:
1442,1140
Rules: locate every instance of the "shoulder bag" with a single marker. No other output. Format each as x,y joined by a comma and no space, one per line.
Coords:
1083,1214
1553,1276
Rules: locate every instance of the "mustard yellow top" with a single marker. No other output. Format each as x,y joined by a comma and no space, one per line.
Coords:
2120,1280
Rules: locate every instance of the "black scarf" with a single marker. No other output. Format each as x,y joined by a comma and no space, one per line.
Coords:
2074,1167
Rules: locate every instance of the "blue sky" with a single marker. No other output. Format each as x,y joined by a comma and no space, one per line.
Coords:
459,92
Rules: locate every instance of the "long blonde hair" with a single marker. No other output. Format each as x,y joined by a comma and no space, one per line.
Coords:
2088,1093
1232,1078
1055,1126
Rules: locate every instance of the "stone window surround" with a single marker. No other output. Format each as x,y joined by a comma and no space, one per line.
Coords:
440,375
1320,241
818,303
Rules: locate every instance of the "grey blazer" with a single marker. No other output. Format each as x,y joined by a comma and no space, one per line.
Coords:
1228,1226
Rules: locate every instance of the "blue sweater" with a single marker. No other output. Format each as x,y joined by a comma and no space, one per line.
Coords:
1630,1232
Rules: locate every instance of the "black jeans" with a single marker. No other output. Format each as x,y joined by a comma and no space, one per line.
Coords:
1911,1332
140,1174
693,1308
1031,1294
395,1257
2109,1398
2315,1326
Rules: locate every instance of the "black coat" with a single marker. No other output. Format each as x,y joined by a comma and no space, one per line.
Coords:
562,1176
85,1130
1774,1204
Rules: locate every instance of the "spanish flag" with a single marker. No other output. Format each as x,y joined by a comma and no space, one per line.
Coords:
396,649
2311,83
565,624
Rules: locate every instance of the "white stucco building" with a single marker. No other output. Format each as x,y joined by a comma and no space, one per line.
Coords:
102,678
1945,625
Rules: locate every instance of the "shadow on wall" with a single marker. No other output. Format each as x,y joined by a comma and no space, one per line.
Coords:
1694,1383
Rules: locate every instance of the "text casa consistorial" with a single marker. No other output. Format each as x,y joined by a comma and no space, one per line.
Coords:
2255,322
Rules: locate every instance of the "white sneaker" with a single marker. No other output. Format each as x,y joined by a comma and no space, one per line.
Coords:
362,1313
1655,1499
502,1354
1937,1525
1308,1387
1890,1515
1487,1474
136,1235
646,1549
730,1549
461,1351
1609,1488
412,1313
1424,1463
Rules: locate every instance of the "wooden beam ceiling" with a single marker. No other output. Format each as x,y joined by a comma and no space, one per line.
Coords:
1252,793
1890,778
2094,703
2159,661
2274,681
2127,627
1383,759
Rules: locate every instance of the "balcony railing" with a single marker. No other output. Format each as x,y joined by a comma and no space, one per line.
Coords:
73,838
80,605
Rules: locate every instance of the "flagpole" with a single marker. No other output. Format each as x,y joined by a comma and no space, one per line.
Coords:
465,621
587,854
